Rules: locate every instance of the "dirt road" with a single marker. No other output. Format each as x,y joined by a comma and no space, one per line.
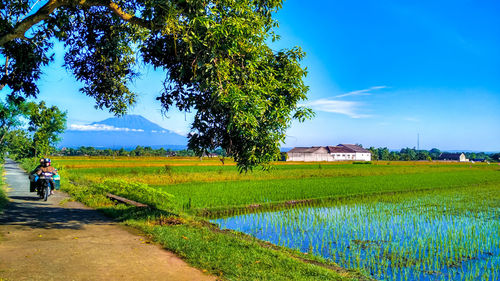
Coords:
46,241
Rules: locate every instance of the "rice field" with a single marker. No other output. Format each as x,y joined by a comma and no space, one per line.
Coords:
392,220
451,235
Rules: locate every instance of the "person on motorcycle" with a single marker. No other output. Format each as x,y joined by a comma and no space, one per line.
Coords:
42,163
47,168
32,175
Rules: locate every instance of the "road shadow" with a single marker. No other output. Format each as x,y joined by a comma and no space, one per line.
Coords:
40,215
11,168
26,198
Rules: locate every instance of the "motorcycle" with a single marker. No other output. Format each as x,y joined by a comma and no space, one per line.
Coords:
43,186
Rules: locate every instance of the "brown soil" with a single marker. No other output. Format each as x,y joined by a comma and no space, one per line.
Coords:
52,241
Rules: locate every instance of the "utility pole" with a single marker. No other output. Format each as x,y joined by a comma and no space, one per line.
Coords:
418,142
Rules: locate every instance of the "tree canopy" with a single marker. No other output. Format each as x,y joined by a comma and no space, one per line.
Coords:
45,124
29,129
215,56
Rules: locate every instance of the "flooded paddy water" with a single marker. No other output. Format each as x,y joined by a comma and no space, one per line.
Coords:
433,235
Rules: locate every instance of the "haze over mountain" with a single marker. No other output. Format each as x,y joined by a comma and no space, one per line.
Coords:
128,132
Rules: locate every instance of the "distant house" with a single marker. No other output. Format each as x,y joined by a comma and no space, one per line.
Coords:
341,152
309,154
460,157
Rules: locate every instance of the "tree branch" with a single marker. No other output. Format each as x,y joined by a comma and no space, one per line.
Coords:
127,17
23,26
4,134
6,71
6,65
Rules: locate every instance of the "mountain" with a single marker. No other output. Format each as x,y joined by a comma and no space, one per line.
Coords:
128,132
136,122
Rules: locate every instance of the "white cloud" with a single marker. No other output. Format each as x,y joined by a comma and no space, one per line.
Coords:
101,127
348,108
364,92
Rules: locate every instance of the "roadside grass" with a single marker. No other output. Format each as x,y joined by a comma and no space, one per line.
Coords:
3,192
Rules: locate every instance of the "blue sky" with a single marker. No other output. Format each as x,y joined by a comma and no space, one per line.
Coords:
380,72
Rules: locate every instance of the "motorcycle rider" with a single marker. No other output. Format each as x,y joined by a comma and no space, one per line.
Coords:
42,163
32,175
47,168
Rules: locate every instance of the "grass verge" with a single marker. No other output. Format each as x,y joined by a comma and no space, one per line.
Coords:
3,192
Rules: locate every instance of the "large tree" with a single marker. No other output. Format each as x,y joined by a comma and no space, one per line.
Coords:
45,124
214,54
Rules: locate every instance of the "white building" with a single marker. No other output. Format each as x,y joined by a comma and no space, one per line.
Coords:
309,154
341,152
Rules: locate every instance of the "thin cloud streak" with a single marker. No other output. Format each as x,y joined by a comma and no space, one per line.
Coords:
348,108
364,92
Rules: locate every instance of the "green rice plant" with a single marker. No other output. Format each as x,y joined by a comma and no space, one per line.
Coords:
220,196
448,234
154,173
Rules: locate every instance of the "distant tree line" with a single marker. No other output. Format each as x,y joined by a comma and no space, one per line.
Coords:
138,151
412,154
381,153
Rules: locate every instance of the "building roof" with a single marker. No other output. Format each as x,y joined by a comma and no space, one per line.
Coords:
354,148
341,148
450,156
314,149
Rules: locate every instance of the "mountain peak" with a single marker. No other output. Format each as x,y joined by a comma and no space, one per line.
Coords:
136,122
